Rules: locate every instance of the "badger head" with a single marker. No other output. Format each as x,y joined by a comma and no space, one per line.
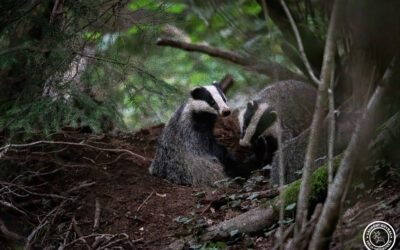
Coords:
209,99
254,121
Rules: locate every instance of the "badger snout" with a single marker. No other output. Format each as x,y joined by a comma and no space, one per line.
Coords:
225,112
244,143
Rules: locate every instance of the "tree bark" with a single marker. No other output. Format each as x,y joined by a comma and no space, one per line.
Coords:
319,114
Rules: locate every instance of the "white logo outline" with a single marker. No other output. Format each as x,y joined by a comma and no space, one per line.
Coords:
391,236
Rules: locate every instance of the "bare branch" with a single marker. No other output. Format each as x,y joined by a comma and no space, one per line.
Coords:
269,68
300,44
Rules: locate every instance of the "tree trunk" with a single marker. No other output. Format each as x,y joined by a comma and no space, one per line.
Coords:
357,147
328,64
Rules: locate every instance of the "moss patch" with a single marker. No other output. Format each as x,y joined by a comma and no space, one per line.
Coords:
319,185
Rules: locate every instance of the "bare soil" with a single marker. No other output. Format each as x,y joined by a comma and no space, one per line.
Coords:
147,210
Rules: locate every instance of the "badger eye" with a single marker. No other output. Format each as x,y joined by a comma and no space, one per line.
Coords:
212,103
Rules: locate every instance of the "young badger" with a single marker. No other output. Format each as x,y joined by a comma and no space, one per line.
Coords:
188,152
292,101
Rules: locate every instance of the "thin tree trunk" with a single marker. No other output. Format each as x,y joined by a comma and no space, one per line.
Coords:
319,114
357,146
331,130
281,183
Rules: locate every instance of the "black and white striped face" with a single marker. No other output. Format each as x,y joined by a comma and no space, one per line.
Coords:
209,99
254,121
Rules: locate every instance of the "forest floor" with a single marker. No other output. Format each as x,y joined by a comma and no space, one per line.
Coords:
111,200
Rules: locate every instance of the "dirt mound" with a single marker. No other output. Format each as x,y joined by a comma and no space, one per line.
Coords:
104,172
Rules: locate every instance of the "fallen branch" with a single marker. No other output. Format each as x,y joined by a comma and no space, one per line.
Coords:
8,146
223,199
251,221
266,67
9,234
258,219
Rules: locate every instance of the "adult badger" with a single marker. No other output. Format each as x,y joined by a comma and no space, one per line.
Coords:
292,101
188,152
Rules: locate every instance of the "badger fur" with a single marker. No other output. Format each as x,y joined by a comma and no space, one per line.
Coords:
188,152
294,150
290,101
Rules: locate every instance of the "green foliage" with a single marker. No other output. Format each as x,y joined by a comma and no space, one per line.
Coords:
46,115
137,80
319,185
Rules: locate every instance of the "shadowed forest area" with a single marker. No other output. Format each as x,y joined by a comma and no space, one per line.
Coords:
249,124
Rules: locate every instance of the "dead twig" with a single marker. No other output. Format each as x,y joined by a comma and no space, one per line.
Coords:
30,238
67,234
10,205
141,205
97,215
82,185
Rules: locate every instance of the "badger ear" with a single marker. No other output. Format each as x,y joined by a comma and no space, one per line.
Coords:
196,93
250,105
217,84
